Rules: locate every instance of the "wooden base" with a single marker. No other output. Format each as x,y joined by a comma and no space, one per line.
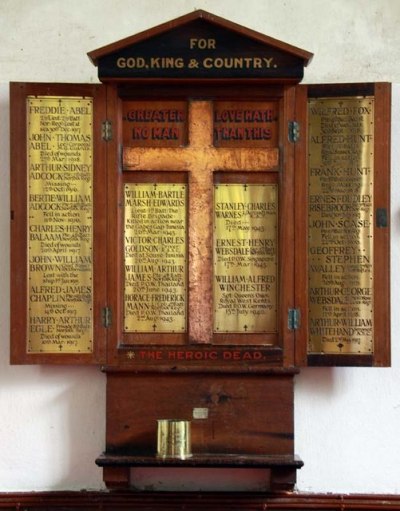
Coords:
246,422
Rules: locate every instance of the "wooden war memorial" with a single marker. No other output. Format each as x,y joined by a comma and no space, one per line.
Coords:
200,226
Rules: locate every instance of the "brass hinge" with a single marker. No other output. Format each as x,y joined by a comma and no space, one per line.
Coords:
106,317
293,319
293,131
106,131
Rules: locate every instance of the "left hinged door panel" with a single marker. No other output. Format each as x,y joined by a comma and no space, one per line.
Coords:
58,223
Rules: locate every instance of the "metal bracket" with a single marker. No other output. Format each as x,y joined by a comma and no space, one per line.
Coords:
106,131
293,131
293,319
106,317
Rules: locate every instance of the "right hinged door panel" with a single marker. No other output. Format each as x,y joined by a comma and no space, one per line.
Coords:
342,224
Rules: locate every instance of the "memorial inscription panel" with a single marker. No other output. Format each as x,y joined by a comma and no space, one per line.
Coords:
245,258
60,224
245,124
155,255
154,123
340,218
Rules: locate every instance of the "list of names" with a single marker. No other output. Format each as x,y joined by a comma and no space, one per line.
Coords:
60,224
245,258
340,218
155,257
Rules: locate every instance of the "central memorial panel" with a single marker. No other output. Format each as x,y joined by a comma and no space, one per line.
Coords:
166,292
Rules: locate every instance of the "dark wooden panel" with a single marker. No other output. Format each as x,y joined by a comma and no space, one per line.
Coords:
200,45
245,416
338,360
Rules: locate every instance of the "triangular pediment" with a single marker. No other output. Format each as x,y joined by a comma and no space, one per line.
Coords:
200,45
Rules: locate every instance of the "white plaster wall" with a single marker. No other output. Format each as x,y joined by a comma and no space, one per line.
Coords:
52,418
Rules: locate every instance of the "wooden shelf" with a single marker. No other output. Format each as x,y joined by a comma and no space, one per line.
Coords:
282,467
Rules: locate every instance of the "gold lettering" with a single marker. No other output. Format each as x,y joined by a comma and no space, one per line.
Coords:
155,252
60,225
245,255
202,44
340,211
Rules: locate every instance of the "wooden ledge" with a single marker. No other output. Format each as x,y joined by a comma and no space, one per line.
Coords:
203,460
116,468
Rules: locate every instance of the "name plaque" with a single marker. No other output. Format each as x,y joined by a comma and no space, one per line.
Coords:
155,257
340,218
60,224
245,258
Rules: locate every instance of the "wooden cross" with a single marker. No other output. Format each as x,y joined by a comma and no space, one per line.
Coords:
200,159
